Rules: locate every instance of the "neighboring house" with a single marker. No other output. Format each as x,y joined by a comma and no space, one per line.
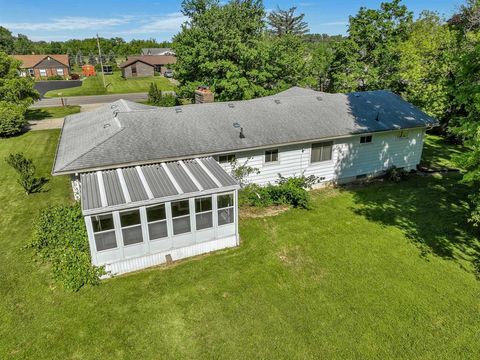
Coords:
44,66
157,51
142,66
125,157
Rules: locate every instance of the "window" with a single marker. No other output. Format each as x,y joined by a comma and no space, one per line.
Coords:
226,159
403,134
43,72
157,68
60,72
321,152
31,72
134,69
181,217
131,227
104,232
271,155
365,139
203,213
225,209
157,222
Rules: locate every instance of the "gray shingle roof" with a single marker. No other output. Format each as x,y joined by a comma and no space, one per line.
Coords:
142,134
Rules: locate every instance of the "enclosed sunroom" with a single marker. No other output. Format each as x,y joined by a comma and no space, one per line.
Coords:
143,216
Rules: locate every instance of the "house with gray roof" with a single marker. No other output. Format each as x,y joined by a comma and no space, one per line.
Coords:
155,182
157,51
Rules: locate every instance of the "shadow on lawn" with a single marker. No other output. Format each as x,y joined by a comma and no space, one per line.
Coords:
432,211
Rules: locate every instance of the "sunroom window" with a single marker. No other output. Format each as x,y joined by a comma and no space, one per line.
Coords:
104,232
157,222
225,206
181,217
131,227
203,213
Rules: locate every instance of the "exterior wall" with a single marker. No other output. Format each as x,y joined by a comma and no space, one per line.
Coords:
143,70
349,158
133,257
50,66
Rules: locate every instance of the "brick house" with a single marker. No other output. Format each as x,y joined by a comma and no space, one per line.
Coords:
44,66
147,65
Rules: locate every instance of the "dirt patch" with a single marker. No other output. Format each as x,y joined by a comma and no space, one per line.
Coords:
251,212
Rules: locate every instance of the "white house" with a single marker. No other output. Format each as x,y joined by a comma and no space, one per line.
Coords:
143,171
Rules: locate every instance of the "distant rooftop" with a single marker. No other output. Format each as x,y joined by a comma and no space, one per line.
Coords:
157,51
125,134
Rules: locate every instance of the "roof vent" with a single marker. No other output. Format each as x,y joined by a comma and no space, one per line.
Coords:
377,118
231,105
106,125
277,101
242,135
114,106
178,110
356,95
115,113
319,98
236,125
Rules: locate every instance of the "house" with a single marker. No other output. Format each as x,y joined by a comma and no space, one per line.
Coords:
147,65
157,51
128,157
44,66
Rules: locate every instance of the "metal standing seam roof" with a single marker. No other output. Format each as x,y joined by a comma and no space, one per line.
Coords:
110,190
125,134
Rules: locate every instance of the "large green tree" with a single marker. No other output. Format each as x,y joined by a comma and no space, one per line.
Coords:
427,64
226,47
368,58
16,94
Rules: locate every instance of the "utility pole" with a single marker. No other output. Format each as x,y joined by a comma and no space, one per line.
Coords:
101,61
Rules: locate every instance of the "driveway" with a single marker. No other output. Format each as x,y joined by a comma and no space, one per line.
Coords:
44,86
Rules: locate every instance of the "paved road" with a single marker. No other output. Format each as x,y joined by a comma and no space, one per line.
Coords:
43,86
94,99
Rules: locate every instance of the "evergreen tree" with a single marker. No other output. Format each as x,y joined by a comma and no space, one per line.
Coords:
91,59
284,22
79,58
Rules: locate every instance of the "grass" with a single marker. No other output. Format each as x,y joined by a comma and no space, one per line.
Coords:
381,271
118,85
51,112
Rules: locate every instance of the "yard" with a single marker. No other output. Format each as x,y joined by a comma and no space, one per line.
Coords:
381,271
94,86
53,112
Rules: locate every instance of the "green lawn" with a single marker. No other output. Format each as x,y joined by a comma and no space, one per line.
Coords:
94,85
51,112
381,271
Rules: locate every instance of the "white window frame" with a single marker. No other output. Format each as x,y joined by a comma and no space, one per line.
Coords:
60,72
203,212
272,161
131,226
226,157
181,216
366,138
156,221
43,72
103,232
328,143
232,207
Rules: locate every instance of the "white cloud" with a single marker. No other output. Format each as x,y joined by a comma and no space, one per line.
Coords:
69,23
168,23
334,23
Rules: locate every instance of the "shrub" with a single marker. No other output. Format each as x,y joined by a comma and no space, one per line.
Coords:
60,238
396,174
290,191
74,76
12,118
26,172
55,77
156,97
240,172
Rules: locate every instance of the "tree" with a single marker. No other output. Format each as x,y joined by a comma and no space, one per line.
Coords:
6,40
225,47
91,59
26,172
368,58
193,8
319,66
16,94
79,58
427,60
285,22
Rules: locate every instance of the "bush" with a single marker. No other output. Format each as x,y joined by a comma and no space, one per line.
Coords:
156,97
12,118
74,76
290,191
60,238
26,172
55,77
396,174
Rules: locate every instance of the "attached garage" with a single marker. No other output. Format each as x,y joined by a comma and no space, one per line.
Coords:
145,215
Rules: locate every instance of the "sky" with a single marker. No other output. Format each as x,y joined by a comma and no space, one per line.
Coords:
146,19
